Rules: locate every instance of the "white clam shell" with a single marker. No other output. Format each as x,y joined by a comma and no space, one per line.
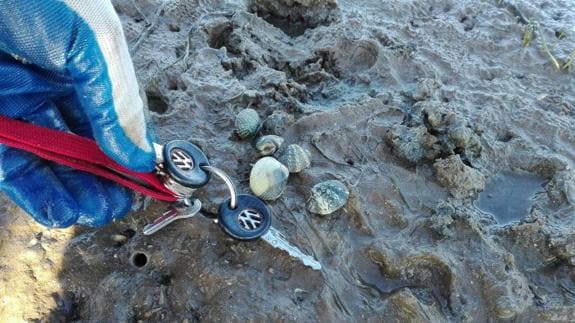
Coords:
268,178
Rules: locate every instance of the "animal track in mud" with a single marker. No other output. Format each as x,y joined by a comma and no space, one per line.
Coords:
468,23
288,25
222,36
292,19
506,136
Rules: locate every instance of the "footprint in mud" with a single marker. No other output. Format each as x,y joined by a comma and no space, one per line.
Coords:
423,281
353,57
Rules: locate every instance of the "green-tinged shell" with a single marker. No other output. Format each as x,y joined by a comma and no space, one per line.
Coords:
295,157
277,122
247,123
327,197
268,145
268,178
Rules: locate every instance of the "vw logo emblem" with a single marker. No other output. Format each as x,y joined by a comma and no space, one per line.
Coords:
250,219
181,159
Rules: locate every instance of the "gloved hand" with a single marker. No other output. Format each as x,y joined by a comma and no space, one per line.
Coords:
66,65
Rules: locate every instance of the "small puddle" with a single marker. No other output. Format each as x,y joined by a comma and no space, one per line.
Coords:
509,196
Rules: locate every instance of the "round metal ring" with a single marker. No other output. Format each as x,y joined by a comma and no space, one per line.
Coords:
221,174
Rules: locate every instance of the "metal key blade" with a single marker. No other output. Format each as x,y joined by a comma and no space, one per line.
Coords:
172,214
277,240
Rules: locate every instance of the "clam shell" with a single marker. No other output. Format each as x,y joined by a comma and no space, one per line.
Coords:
268,178
247,123
295,157
327,197
268,145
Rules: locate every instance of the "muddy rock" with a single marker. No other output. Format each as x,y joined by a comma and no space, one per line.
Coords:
454,134
442,219
462,180
561,188
433,131
413,144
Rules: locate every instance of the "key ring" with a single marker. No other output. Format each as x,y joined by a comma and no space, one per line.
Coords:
221,174
179,167
182,167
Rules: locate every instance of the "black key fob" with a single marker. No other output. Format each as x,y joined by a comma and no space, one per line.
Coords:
183,161
250,219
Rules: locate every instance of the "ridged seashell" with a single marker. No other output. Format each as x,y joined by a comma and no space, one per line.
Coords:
268,178
295,157
268,145
327,197
247,123
277,122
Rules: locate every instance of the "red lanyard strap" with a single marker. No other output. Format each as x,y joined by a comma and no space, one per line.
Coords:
79,153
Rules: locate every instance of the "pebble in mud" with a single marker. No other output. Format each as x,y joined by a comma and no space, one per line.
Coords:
268,178
268,145
247,123
327,197
295,158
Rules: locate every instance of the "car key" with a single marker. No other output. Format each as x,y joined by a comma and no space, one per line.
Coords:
183,210
251,219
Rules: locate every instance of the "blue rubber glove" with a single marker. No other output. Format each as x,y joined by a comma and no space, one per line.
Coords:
65,65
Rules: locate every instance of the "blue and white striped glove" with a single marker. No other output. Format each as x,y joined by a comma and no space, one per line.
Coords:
65,65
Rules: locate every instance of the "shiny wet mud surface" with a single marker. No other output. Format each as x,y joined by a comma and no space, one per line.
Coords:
417,106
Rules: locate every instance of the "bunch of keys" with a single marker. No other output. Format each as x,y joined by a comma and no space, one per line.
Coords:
182,167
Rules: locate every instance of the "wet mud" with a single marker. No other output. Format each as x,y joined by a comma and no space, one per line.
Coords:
418,107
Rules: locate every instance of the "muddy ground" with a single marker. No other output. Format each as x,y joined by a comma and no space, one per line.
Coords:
448,121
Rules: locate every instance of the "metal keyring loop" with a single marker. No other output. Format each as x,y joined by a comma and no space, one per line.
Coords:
221,174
